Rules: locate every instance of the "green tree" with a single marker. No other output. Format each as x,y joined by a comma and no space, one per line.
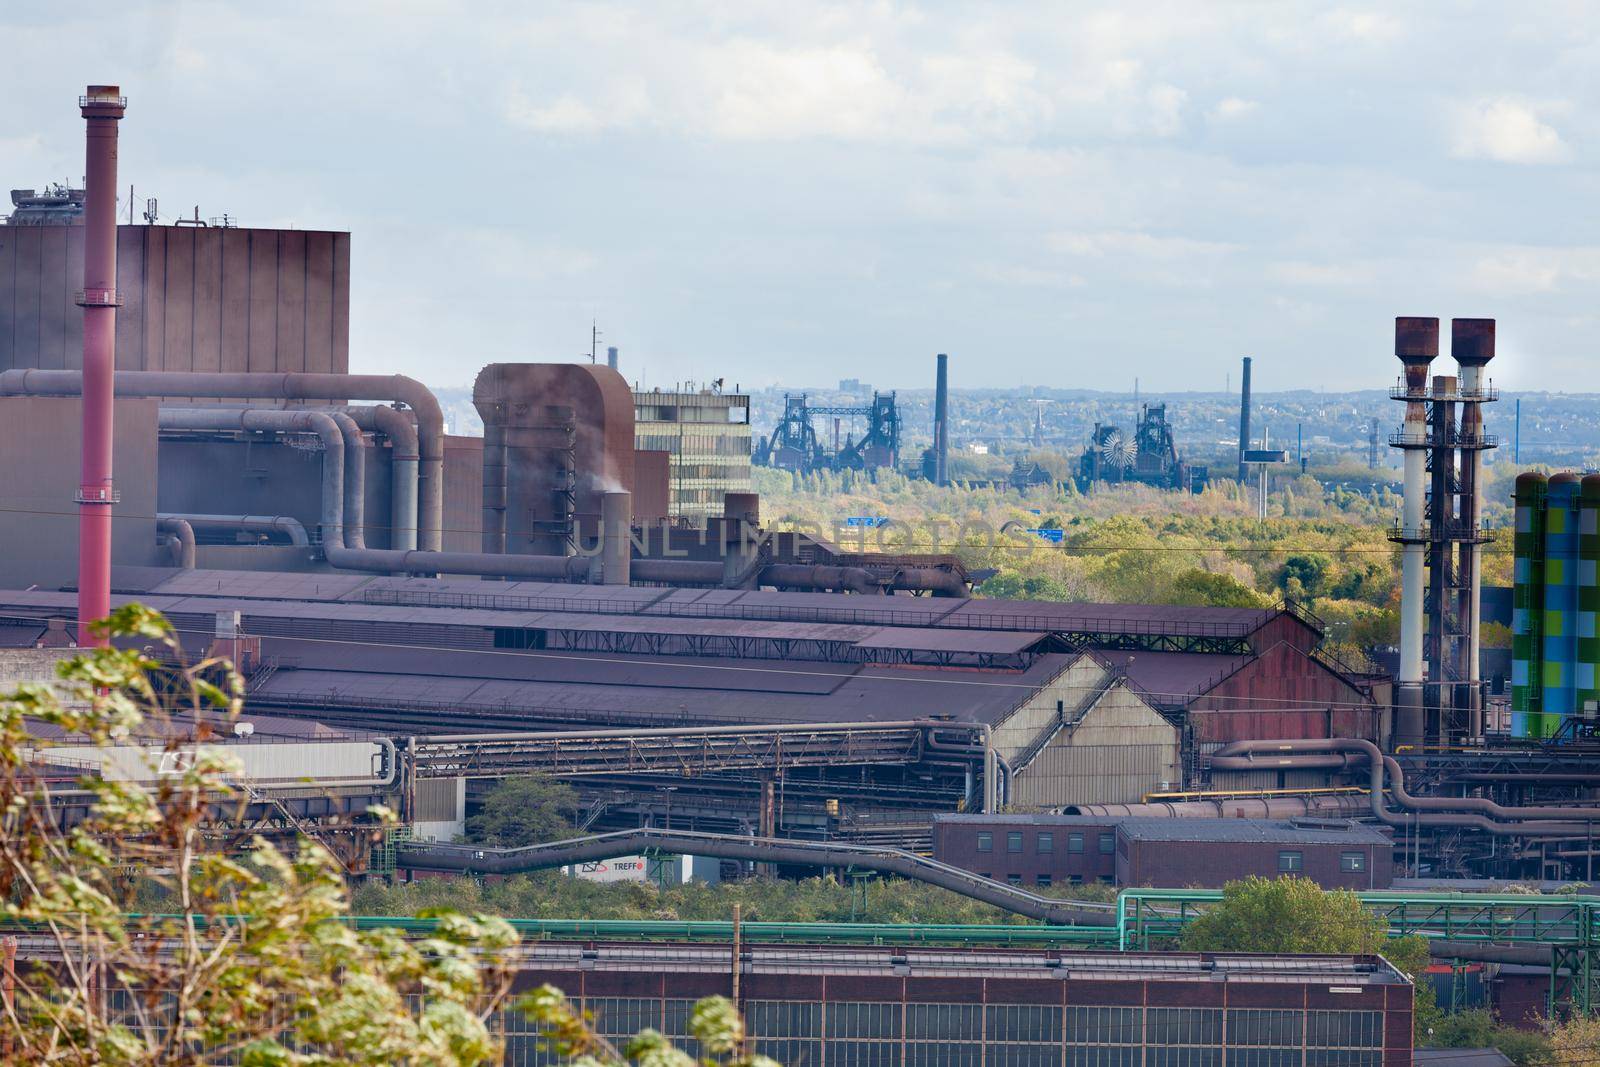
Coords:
250,959
1302,575
1202,587
524,811
1480,1029
1291,914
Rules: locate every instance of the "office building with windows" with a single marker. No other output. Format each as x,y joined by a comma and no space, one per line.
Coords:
853,1006
1045,850
706,436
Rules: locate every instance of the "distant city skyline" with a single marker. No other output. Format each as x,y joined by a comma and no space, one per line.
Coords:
1064,196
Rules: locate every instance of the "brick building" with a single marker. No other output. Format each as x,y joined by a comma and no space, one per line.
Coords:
1046,850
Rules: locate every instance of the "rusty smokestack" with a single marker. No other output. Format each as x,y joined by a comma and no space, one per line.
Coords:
102,107
1416,343
941,422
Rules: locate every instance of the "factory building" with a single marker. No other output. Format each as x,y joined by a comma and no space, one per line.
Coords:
828,1004
193,298
1074,716
705,435
1052,850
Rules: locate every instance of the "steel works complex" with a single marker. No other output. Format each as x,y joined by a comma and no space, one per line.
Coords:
419,614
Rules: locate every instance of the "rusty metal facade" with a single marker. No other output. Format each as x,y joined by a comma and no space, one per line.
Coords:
194,299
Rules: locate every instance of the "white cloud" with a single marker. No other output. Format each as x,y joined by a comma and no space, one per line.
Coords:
1300,272
1133,245
1233,108
564,114
1504,130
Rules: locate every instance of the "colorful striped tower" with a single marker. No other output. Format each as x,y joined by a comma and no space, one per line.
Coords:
1587,696
1560,605
1527,606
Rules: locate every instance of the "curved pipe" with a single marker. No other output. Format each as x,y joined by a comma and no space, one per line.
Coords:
800,576
287,525
182,535
403,457
1378,764
483,860
277,420
355,480
289,386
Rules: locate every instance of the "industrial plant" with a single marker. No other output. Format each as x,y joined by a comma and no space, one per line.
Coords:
590,591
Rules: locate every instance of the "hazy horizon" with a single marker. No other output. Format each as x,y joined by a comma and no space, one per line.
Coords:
1066,197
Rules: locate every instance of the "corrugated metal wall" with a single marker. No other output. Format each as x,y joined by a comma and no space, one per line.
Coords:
194,299
1118,749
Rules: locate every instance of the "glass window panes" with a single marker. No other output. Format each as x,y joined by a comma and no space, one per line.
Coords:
1074,842
1014,841
944,1022
1291,861
1108,843
1265,1026
1046,843
1104,1026
985,842
1352,861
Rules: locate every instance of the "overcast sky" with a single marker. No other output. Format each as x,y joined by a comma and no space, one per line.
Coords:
1058,194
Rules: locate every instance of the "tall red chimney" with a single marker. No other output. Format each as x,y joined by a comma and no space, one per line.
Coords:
103,107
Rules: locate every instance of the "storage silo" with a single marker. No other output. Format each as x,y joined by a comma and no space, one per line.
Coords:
1587,697
1527,605
1560,604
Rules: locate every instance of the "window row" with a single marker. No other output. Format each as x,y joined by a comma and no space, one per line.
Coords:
1044,842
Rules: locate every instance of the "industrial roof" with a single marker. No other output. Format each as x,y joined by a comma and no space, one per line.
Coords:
1167,676
974,614
665,957
1460,1057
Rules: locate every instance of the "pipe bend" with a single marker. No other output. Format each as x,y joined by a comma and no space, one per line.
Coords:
182,534
1426,811
355,480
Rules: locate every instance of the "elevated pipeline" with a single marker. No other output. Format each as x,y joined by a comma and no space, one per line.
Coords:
480,860
1425,811
286,525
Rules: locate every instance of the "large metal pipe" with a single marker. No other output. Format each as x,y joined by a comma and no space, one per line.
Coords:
494,486
1420,808
1332,806
941,421
276,420
287,386
287,525
403,457
1416,343
182,535
803,576
929,580
616,542
1244,419
355,480
103,107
